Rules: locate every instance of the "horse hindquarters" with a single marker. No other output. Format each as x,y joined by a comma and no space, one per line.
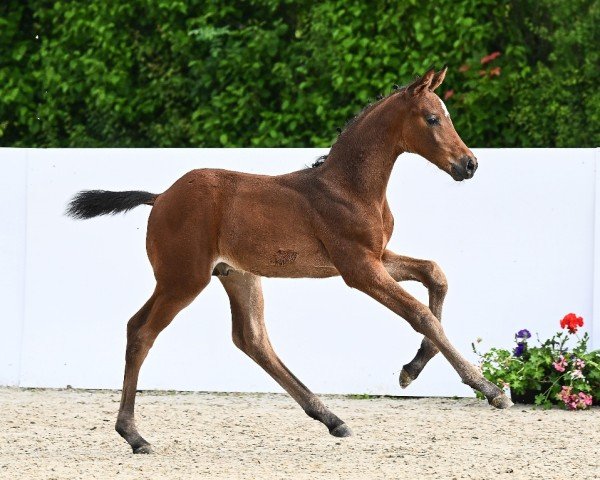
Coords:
181,239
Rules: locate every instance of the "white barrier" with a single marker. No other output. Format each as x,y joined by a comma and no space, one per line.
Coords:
516,243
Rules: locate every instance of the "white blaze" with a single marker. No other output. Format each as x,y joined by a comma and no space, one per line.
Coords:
444,107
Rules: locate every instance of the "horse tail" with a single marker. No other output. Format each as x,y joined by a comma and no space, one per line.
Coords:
91,203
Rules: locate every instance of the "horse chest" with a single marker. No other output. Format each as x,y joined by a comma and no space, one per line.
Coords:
373,233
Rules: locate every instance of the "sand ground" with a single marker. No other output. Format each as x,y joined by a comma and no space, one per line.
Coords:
69,434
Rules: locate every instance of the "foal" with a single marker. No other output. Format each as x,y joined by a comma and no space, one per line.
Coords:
316,223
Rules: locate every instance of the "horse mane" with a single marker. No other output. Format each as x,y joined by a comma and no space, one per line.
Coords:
319,161
366,109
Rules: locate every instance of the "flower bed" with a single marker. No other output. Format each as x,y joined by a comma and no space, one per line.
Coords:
549,374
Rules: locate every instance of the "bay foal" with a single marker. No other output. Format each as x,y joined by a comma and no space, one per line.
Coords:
316,223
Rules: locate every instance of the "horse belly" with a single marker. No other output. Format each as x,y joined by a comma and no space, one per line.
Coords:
283,264
272,240
276,256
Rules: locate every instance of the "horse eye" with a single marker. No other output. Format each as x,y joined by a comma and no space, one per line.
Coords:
432,120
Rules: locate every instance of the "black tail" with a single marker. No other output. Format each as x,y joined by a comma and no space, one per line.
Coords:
91,203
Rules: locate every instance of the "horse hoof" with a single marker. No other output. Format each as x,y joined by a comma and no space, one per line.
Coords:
405,379
341,431
501,401
147,449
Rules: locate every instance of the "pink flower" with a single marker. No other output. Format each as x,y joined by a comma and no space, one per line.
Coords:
585,399
560,364
579,364
565,392
574,401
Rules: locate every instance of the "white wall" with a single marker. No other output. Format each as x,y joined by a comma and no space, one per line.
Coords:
13,216
516,243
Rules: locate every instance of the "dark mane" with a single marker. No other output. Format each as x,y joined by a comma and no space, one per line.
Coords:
319,161
366,109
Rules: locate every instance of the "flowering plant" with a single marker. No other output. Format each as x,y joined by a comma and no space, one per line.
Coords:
550,373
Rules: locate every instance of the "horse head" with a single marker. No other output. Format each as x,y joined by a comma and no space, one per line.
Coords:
427,128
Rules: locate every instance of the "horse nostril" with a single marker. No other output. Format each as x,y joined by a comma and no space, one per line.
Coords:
464,167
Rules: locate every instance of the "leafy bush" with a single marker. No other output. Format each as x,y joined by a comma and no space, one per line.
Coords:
549,373
211,73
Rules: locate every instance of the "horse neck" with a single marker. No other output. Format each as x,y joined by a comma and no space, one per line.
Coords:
363,157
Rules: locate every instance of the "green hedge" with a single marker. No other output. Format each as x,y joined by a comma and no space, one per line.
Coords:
209,73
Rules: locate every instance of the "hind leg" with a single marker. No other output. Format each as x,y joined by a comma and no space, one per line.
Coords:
250,336
431,276
142,330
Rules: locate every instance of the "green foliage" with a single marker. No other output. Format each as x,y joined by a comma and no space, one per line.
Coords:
361,396
212,73
533,372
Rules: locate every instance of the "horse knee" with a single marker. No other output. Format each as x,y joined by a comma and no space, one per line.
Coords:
436,278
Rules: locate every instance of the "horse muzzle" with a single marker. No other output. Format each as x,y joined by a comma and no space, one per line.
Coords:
464,168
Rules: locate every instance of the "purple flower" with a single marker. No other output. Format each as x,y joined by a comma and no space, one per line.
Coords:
524,334
519,349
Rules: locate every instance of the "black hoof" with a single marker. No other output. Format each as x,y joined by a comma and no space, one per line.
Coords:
405,379
147,449
501,402
341,431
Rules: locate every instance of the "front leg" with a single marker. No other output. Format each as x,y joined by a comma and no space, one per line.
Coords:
365,272
432,277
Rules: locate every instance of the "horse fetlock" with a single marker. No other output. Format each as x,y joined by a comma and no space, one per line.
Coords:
316,410
473,378
492,392
125,427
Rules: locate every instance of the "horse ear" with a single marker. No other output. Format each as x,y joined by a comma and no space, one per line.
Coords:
422,83
438,78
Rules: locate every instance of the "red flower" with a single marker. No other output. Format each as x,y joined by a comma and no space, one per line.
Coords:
490,57
464,68
572,322
448,94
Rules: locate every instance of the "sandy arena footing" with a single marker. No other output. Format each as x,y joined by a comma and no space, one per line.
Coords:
69,434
